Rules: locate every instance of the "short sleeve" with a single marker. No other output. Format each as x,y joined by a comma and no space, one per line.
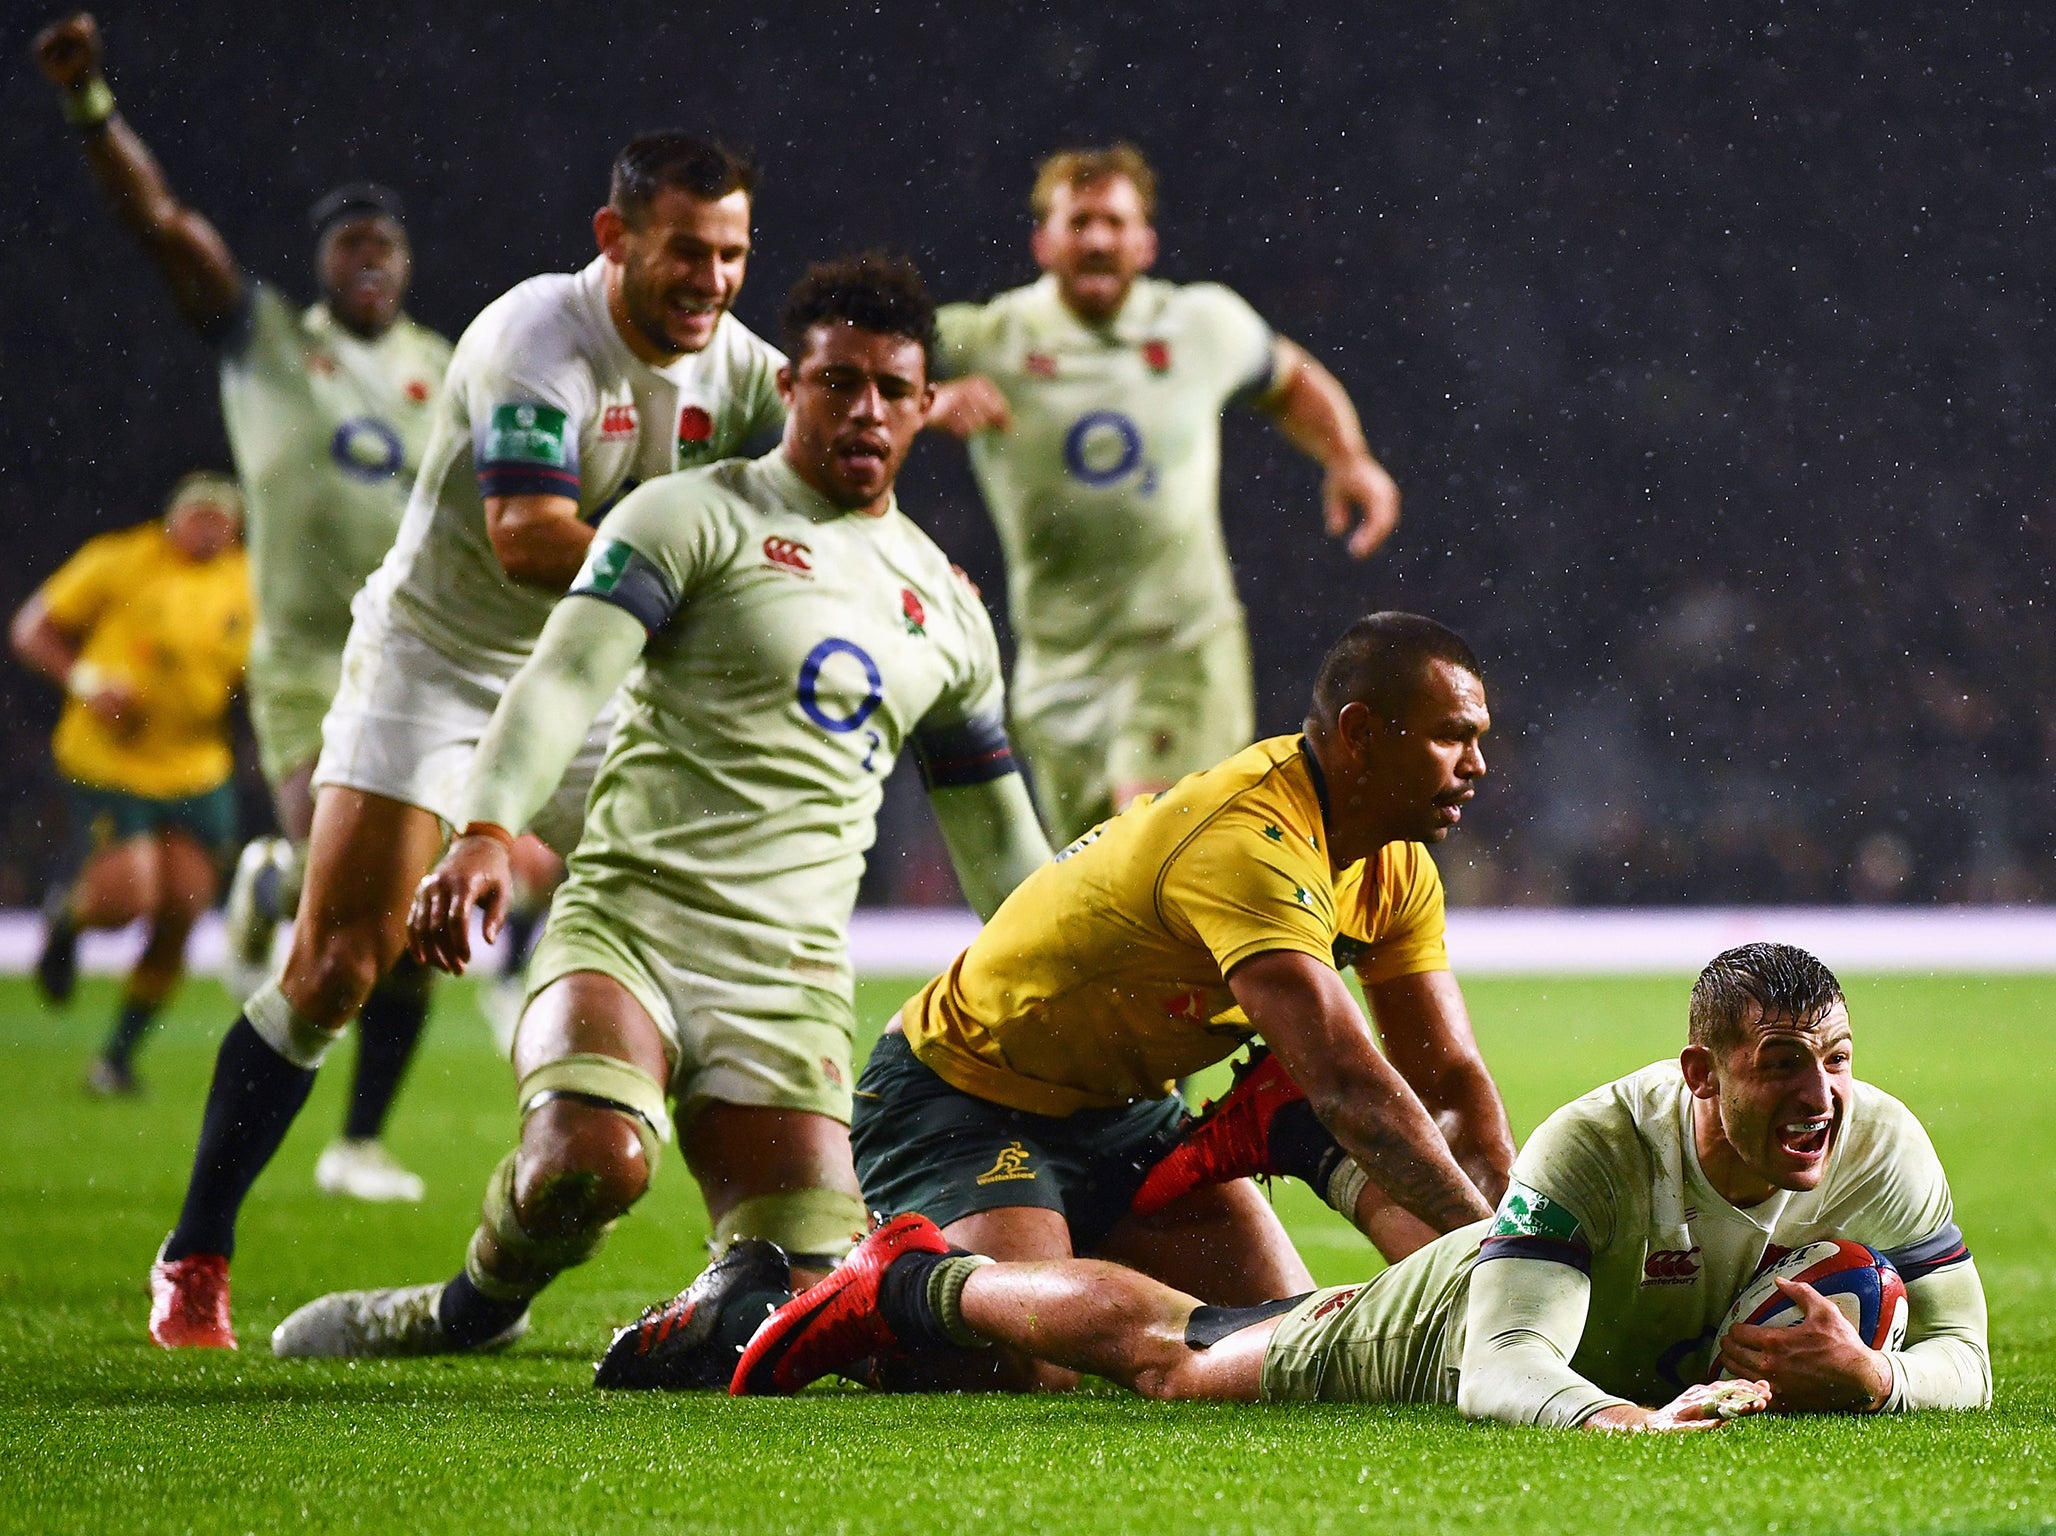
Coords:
958,331
764,411
1399,915
264,329
87,584
527,395
1239,343
1561,1204
963,737
1239,891
655,549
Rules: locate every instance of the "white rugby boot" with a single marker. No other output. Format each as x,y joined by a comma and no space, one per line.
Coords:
365,1170
398,1321
250,917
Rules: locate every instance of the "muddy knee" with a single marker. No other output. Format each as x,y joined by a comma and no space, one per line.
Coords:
581,1165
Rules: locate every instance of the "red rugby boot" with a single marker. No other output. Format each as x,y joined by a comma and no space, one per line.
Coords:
1230,1140
837,1323
189,1303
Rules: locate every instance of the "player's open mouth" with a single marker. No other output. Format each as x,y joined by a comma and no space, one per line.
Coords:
1806,1139
860,454
1449,808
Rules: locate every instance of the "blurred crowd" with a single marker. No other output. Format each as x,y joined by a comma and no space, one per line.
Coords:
1710,354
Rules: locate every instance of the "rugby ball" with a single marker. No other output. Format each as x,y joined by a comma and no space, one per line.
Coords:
1858,1280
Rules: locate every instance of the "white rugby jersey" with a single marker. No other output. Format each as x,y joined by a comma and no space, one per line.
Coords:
1611,1186
543,397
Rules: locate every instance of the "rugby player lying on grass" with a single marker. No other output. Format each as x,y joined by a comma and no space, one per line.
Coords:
1636,1214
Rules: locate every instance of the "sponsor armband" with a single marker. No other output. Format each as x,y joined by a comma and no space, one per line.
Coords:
1944,1250
1530,1225
528,449
975,752
615,573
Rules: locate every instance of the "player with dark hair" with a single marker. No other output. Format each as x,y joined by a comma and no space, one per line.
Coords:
328,411
562,395
1636,1214
782,630
1019,1098
1092,401
146,631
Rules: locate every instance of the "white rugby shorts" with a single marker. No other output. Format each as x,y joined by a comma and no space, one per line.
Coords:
407,719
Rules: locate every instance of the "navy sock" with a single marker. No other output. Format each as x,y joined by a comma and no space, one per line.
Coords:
903,1300
388,1030
129,1029
470,1317
250,1106
1301,1146
743,1316
521,927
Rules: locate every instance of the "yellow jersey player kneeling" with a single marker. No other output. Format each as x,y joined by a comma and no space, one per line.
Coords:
1635,1215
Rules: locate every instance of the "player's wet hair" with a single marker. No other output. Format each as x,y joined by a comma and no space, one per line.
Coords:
650,162
1785,982
1379,661
872,291
1082,167
350,200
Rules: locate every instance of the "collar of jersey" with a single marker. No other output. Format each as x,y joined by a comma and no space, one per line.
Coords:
1133,323
785,483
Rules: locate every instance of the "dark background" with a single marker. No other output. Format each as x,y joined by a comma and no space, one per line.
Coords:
1707,343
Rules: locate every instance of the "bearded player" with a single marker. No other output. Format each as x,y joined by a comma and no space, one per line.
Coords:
1091,401
328,412
1636,1214
782,629
562,395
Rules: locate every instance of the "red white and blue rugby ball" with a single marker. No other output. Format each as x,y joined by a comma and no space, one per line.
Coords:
1860,1281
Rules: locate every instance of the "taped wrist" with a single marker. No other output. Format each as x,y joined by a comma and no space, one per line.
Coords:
288,1031
815,1227
1344,1187
88,107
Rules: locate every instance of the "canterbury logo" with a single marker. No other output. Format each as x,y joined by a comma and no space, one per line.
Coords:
618,421
790,553
1008,1166
1671,1266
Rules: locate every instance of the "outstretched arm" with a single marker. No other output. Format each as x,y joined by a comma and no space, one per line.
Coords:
1526,1318
1426,1031
586,651
995,841
202,275
1306,1015
1314,412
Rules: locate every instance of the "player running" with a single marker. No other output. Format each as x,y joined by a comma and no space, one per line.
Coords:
1637,1213
562,395
328,412
783,629
146,631
1092,403
1019,1098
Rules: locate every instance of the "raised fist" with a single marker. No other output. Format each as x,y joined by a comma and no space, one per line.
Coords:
68,51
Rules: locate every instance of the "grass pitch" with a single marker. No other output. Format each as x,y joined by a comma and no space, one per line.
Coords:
102,1432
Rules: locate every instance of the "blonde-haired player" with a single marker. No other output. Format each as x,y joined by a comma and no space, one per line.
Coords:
1091,401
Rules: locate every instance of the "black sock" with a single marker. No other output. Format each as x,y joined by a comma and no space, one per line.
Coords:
521,927
1302,1147
251,1104
903,1300
469,1316
129,1029
388,1029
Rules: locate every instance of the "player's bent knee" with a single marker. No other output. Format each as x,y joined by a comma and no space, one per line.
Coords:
582,1165
815,1227
333,973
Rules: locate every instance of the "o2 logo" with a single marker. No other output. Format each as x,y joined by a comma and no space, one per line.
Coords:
365,448
845,656
1104,447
